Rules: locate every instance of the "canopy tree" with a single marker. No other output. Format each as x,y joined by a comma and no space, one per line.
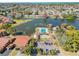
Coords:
72,41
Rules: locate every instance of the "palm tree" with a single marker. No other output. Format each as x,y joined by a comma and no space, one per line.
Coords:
38,51
53,52
27,51
44,52
11,30
32,41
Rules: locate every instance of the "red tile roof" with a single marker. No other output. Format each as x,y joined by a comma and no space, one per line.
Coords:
2,30
21,41
3,42
4,19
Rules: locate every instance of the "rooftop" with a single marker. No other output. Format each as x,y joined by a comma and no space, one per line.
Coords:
21,41
2,30
3,41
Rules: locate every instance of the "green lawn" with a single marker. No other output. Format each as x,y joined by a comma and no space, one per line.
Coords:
19,21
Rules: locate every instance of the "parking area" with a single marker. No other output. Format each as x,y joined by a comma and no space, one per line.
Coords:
6,52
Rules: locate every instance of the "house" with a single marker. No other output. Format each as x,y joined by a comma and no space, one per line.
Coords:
5,20
4,42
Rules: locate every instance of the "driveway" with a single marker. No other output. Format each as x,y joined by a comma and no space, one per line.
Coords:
6,53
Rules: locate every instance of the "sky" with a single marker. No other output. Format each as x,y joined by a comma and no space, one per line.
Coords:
3,1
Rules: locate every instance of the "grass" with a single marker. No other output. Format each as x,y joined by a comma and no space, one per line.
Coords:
13,53
19,21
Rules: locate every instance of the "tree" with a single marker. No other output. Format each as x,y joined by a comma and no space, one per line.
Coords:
27,51
72,41
70,17
31,49
44,52
53,52
11,30
31,42
39,51
69,39
6,26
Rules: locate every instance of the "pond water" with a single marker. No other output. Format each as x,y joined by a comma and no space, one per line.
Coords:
29,27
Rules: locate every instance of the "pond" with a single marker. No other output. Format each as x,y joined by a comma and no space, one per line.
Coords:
29,27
